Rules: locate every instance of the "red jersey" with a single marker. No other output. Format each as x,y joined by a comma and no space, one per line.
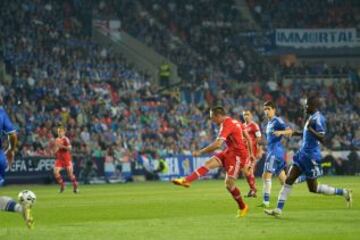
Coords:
63,154
231,131
254,132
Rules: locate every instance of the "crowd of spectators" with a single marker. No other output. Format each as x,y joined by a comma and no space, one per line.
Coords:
306,13
202,37
60,76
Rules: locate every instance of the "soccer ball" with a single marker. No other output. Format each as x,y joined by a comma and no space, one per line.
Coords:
27,197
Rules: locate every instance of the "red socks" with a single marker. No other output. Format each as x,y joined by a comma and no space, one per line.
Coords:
251,181
74,182
235,192
201,171
59,180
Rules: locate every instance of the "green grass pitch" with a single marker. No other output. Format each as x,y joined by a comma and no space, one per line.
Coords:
159,210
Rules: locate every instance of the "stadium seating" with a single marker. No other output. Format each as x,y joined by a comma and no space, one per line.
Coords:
305,13
61,76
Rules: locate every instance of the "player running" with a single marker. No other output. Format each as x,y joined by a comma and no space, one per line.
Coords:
307,159
254,132
63,160
233,159
274,162
6,203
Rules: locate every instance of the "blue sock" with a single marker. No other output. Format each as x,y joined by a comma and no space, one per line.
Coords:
266,197
280,204
339,191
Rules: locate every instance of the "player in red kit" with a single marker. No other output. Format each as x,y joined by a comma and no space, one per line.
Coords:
63,160
255,135
233,159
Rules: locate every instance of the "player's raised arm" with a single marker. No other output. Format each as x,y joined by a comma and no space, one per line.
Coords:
210,148
288,132
225,130
282,129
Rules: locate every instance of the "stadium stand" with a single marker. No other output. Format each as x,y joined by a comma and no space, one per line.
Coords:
60,75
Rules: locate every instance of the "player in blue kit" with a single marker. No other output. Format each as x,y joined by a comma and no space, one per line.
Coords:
274,162
7,203
307,159
6,127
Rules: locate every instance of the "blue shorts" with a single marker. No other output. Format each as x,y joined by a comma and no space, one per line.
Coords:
274,163
309,164
3,166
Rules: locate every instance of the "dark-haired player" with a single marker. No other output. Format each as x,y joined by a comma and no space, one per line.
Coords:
254,132
233,159
275,161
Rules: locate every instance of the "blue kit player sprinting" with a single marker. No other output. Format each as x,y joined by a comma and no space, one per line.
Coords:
307,159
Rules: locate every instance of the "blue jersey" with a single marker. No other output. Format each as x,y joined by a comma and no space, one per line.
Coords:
310,145
275,124
274,161
6,126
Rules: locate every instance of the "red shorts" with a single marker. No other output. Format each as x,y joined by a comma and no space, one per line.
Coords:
64,162
233,162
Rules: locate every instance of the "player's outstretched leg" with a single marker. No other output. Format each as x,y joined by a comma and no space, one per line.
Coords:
186,182
201,171
10,205
315,187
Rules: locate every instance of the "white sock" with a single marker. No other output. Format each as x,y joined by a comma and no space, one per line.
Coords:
283,195
266,190
284,192
328,190
325,189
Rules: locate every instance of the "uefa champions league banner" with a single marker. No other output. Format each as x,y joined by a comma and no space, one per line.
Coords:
315,38
30,170
182,165
40,169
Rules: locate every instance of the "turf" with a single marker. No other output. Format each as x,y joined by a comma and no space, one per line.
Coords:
158,210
